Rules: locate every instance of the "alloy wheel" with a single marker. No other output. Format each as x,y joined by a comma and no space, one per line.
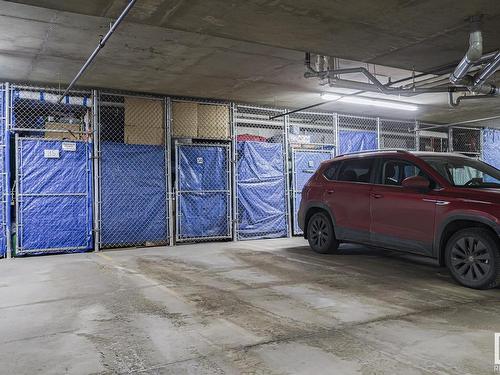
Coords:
470,259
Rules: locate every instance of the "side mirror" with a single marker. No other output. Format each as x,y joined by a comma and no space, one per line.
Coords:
416,183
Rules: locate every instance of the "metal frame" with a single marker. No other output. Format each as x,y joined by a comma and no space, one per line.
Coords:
168,154
19,174
179,192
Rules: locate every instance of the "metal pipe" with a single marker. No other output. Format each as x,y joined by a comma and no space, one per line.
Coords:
488,71
96,166
101,45
456,103
473,54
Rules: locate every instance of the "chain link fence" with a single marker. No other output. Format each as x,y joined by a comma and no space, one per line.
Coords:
356,133
397,134
466,141
433,138
133,175
312,130
261,178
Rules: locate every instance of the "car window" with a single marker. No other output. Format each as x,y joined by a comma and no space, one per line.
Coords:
394,172
465,172
356,170
331,171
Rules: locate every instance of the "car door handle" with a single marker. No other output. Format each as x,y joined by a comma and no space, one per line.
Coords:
377,196
330,191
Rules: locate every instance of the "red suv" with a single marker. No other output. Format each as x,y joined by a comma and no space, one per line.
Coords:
440,205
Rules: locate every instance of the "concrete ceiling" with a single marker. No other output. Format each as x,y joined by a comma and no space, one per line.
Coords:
247,51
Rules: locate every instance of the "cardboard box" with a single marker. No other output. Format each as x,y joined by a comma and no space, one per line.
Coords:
185,119
147,113
213,121
137,135
75,128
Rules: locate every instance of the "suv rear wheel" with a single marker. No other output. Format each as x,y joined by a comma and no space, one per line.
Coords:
321,235
473,258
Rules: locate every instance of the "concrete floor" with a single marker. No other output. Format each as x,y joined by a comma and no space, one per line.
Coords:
259,307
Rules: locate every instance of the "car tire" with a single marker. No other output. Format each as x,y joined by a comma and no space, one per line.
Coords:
321,235
473,258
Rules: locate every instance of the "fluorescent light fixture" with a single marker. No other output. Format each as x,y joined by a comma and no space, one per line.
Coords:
368,101
330,96
378,103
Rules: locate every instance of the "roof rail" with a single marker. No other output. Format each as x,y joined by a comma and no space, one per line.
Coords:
374,151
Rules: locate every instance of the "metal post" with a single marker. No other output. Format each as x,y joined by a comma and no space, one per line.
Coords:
168,148
8,198
450,140
234,171
336,130
96,197
378,133
287,175
481,143
417,136
18,183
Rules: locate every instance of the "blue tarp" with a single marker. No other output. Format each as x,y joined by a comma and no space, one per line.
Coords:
54,197
261,190
491,147
203,191
355,140
305,164
3,244
133,194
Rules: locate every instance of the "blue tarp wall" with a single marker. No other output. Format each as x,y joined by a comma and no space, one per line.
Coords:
133,194
55,204
355,140
306,162
491,147
3,219
261,191
203,191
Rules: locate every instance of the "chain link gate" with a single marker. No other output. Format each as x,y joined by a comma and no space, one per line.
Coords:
53,189
261,178
133,176
304,163
203,193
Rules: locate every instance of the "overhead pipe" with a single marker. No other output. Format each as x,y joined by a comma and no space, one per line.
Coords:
101,45
488,71
473,54
375,86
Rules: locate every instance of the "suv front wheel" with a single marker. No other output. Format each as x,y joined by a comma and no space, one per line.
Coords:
473,258
321,235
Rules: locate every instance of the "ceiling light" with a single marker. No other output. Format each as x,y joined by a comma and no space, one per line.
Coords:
378,103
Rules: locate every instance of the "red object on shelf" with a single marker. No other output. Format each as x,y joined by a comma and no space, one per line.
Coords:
250,137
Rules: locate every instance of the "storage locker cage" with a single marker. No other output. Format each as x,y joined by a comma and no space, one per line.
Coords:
53,169
134,170
203,191
262,208
138,197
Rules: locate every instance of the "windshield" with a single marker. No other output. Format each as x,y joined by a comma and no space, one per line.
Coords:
465,172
